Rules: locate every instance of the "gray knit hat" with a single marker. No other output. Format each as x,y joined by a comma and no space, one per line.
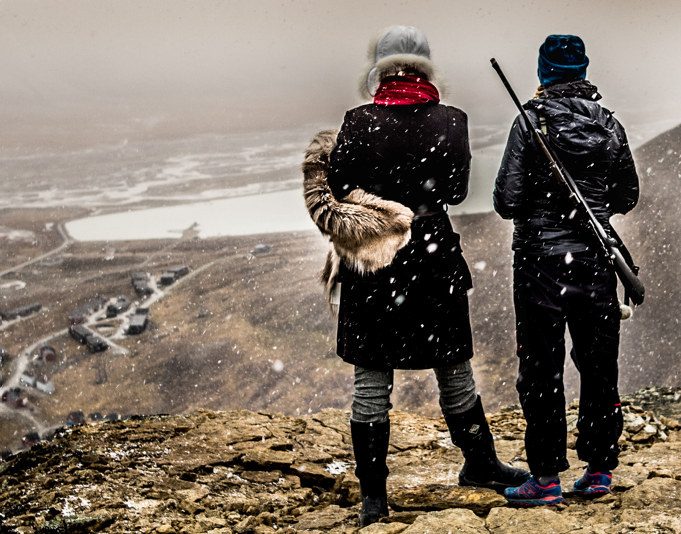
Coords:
396,49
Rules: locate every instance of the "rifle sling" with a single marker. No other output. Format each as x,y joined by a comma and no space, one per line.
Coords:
620,244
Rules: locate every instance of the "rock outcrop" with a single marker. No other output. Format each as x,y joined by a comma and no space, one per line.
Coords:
246,472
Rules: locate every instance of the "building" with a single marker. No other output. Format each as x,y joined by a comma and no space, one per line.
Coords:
167,278
80,333
95,343
120,305
261,249
75,418
138,323
173,274
28,379
22,311
47,353
77,317
179,271
85,336
44,385
13,398
81,314
38,381
141,283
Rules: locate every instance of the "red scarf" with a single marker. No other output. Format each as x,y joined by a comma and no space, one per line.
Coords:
405,90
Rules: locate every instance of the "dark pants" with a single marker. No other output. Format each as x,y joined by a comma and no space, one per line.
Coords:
580,291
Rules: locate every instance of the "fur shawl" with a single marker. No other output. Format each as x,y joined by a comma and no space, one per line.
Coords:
365,230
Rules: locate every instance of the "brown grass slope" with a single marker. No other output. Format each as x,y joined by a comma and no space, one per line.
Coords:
652,340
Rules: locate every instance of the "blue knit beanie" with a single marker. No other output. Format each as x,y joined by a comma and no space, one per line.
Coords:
562,58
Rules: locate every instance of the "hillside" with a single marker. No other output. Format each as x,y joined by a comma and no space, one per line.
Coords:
256,472
241,331
650,352
251,331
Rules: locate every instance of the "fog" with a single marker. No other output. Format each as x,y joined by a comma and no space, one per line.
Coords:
77,72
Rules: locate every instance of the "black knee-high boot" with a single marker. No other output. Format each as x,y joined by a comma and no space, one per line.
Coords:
470,432
370,444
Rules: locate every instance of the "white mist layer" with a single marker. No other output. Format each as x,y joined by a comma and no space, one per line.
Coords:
214,186
266,213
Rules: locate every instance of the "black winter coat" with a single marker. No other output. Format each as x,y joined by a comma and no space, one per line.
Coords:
413,313
593,147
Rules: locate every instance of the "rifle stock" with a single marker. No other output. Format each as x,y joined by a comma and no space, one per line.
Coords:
627,276
626,271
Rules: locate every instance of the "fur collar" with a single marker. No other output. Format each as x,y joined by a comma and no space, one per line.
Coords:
365,230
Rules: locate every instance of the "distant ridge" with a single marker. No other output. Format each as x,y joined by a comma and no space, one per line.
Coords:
652,345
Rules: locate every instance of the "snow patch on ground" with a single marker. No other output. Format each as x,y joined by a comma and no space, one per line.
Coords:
16,235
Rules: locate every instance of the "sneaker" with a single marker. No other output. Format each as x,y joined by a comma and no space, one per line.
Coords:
593,484
531,493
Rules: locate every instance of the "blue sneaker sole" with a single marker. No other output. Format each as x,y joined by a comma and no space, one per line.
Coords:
546,501
593,491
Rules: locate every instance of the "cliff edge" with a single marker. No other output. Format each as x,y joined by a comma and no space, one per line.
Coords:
248,472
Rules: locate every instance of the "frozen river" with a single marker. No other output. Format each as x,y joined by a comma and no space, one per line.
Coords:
283,211
280,211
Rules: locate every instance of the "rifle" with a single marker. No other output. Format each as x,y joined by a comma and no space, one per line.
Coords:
612,245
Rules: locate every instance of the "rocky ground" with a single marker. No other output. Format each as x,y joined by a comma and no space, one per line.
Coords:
250,472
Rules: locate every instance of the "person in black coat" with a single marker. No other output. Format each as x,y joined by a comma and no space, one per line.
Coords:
561,275
410,310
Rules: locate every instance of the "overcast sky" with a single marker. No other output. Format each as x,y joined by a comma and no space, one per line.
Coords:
102,69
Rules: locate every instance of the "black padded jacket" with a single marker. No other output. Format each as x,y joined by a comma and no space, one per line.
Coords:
593,147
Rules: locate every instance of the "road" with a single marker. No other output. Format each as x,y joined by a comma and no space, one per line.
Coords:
65,243
22,362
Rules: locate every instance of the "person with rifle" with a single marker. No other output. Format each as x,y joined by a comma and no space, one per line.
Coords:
562,274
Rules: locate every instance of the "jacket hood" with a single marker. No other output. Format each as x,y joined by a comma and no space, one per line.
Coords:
574,125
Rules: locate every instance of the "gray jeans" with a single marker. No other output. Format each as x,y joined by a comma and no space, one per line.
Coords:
371,399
